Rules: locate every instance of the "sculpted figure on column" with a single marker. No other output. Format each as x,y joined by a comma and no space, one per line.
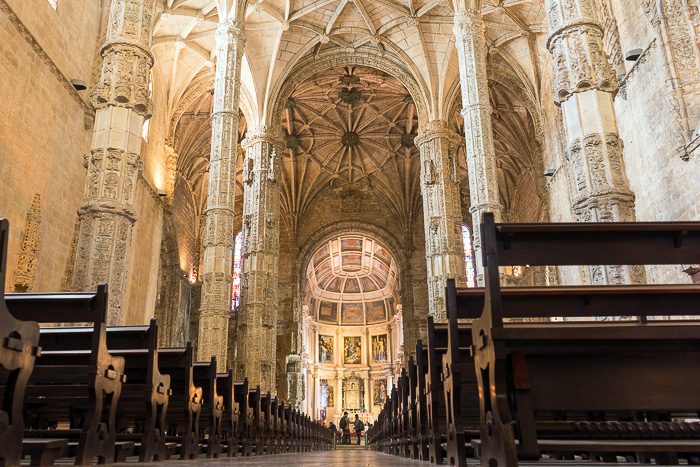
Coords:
218,236
257,320
122,103
584,87
476,111
442,212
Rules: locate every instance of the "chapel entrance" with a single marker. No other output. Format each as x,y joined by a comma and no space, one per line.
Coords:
353,337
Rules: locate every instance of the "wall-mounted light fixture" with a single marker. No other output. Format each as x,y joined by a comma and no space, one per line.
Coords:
79,84
633,55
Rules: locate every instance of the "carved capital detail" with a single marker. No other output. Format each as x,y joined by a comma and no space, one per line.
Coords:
576,43
127,58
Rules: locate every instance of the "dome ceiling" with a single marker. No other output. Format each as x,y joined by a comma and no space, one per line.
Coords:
352,280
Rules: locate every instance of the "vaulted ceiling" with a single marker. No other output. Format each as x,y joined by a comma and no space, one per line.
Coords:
351,125
281,33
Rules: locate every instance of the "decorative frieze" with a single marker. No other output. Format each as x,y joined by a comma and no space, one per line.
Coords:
257,319
476,111
218,236
28,248
442,212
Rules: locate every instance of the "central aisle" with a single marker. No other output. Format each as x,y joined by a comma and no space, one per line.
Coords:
344,458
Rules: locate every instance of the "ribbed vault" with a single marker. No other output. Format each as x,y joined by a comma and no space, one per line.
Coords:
350,125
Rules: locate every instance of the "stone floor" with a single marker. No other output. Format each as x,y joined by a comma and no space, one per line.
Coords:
344,458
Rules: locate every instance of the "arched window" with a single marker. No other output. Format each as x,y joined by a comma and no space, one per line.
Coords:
236,282
468,260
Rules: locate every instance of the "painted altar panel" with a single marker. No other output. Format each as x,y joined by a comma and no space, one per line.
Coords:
379,392
380,349
326,393
352,350
325,349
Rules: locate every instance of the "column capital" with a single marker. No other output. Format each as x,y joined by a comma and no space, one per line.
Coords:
231,29
265,134
436,129
576,45
466,22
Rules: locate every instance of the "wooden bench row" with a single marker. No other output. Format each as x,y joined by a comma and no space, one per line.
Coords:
610,380
99,393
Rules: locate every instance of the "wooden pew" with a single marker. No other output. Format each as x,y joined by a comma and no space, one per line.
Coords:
18,349
434,390
416,428
230,435
185,403
204,376
257,425
634,367
245,420
268,423
459,376
419,420
74,384
402,416
144,399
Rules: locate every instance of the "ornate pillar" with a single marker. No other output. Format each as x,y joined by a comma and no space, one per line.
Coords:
442,212
218,236
257,322
584,87
476,111
122,103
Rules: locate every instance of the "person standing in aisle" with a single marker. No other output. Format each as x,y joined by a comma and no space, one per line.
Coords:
345,429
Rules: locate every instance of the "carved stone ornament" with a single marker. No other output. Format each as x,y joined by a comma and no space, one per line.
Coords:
442,212
576,44
218,235
28,248
127,58
257,332
476,111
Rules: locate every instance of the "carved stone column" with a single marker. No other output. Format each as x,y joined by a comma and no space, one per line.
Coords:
122,103
257,320
476,111
218,235
584,87
442,212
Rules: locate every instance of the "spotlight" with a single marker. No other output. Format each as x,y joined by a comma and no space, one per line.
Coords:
549,172
79,84
162,193
633,55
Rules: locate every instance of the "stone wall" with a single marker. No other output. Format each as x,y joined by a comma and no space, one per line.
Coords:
46,134
42,133
648,119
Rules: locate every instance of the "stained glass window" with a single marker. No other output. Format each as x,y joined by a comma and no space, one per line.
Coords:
468,260
236,282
